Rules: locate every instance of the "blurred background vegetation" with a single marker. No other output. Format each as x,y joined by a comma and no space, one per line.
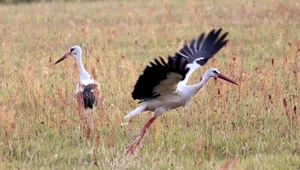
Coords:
35,1
251,126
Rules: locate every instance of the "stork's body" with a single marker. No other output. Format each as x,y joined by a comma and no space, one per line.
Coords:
87,90
162,86
160,104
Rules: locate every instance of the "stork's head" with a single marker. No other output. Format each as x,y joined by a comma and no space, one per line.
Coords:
212,72
75,50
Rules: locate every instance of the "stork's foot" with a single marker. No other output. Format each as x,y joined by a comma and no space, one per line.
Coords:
131,149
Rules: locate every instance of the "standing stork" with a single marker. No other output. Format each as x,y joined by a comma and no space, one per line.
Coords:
162,86
87,90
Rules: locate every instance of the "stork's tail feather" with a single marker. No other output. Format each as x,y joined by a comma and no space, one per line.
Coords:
136,111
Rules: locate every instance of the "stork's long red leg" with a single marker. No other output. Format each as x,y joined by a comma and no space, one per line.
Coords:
136,142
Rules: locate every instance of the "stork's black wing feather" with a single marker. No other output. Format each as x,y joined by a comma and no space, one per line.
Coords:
88,95
203,49
144,88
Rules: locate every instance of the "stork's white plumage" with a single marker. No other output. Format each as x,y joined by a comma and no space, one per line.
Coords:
162,86
87,90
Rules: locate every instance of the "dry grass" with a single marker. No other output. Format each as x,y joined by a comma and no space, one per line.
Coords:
251,126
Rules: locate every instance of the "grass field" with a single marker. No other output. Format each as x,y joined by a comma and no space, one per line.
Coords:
251,126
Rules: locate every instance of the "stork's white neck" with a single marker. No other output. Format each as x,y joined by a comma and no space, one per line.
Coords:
198,86
84,75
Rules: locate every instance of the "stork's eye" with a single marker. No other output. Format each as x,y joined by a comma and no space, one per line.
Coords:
215,72
72,49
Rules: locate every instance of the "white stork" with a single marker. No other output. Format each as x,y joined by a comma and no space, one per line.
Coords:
162,86
88,90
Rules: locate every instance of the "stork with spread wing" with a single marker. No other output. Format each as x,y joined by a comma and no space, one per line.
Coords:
162,86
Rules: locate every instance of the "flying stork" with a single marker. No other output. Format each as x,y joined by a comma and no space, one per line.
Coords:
163,86
87,90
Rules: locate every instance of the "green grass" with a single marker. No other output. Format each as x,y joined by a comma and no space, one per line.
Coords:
251,126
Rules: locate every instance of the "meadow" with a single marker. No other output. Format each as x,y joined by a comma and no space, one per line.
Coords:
254,125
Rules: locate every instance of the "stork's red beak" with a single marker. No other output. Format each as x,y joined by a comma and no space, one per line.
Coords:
63,57
221,76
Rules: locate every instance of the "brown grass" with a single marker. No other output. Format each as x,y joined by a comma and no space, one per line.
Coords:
250,126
